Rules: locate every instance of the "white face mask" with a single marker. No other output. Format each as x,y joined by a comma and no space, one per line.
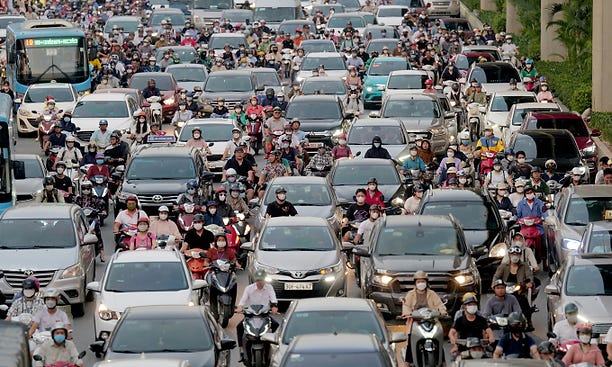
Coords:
372,187
212,211
572,319
530,196
462,180
51,303
377,145
585,338
221,244
497,167
281,197
143,227
197,226
421,286
471,309
515,259
163,216
29,293
236,135
341,141
182,107
520,189
196,136
360,199
374,215
476,354
235,194
450,154
60,170
520,160
49,187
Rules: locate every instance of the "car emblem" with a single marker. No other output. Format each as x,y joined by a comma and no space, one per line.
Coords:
298,274
158,198
28,272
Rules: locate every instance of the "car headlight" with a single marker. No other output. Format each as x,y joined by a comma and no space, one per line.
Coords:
73,271
570,244
397,201
464,279
267,269
590,149
498,250
105,314
169,101
369,89
332,269
382,279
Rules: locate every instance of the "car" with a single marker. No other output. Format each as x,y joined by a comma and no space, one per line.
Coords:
218,132
141,278
405,80
338,21
310,195
168,331
334,64
218,41
377,31
585,281
473,57
126,23
491,50
32,181
573,122
7,19
448,8
391,15
158,4
348,175
328,119
268,78
176,16
302,257
325,85
238,16
376,77
517,115
481,224
494,76
350,5
116,108
291,25
186,54
326,8
574,209
331,315
145,363
51,242
416,6
399,246
188,76
274,12
155,186
456,24
317,46
369,17
236,86
32,105
205,12
394,137
597,238
166,84
378,44
135,93
512,362
421,115
337,350
496,113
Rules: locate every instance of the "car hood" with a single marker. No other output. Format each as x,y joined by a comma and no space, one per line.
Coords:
295,260
437,263
118,302
154,186
196,359
596,308
412,124
305,74
345,193
190,85
229,96
309,126
394,150
497,118
38,259
393,21
476,238
40,107
92,123
28,185
373,80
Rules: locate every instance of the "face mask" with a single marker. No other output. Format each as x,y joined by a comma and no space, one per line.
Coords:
231,178
353,74
235,194
450,154
341,141
520,160
572,319
471,309
360,199
509,41
131,206
462,180
212,211
191,191
577,177
374,215
421,286
497,167
163,216
544,89
413,153
221,244
29,293
182,108
198,226
254,103
100,161
530,196
585,338
236,135
377,145
476,354
189,99
86,191
60,171
49,187
516,329
465,142
515,259
237,111
196,136
281,197
51,303
59,338
143,227
372,187
520,189
285,145
222,197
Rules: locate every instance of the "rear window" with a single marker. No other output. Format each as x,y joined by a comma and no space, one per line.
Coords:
575,125
547,146
495,74
504,103
161,82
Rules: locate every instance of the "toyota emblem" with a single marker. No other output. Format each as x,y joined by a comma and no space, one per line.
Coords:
298,275
158,198
28,272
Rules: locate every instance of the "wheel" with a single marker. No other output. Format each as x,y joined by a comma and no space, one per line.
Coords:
430,359
77,309
224,315
258,358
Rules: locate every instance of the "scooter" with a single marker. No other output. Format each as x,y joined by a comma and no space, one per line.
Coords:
253,128
427,338
197,262
45,128
93,218
486,163
185,218
166,241
101,191
243,230
287,57
125,236
499,325
530,231
562,348
475,120
223,284
38,361
233,239
52,152
319,170
72,171
256,323
156,109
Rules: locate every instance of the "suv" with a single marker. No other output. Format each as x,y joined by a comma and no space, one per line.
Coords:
141,278
236,86
32,105
449,8
575,124
154,186
494,76
399,246
481,224
51,242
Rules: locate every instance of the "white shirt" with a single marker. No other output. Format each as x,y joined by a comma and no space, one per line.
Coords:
564,331
45,320
255,296
124,218
608,338
365,227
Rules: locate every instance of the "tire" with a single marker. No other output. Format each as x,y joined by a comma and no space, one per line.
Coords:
77,309
257,358
225,314
430,359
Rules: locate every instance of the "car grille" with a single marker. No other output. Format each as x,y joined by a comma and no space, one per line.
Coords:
438,282
231,104
84,135
601,329
214,157
15,278
420,134
440,3
157,199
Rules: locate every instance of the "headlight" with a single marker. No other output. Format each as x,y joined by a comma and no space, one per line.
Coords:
464,279
180,124
590,149
169,101
331,269
337,132
74,271
369,89
397,201
24,112
498,250
382,279
267,269
105,314
247,230
570,244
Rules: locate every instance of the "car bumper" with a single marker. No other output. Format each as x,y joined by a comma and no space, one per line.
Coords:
216,167
374,96
451,10
27,124
320,286
71,289
102,328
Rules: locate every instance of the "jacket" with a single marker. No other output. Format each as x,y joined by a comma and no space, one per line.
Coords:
522,275
433,301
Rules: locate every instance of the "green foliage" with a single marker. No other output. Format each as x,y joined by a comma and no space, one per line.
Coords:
574,25
571,84
472,4
603,122
529,39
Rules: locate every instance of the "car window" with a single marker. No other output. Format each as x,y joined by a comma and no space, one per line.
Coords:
195,74
425,240
359,174
581,211
37,233
472,215
147,168
350,4
392,12
108,109
340,22
362,135
175,18
237,16
275,14
220,42
296,238
223,83
425,108
546,146
314,86
303,110
291,27
32,168
162,82
498,74
39,95
600,242
305,194
574,125
146,277
212,4
267,79
407,82
327,46
210,131
410,3
504,103
330,63
326,8
378,67
589,280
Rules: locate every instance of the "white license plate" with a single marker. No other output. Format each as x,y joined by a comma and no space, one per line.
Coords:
315,145
217,164
298,286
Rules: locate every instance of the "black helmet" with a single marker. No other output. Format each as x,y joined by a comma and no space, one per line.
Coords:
418,188
198,218
455,87
516,319
270,92
280,190
29,283
48,180
372,180
546,347
115,135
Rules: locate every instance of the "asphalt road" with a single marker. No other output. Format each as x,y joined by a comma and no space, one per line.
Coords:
83,326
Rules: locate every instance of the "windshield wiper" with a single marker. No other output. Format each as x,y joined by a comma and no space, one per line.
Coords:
127,351
307,249
49,68
115,290
575,223
168,350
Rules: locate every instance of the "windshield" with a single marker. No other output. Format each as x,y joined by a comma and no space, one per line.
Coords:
326,8
410,240
291,27
410,3
186,55
267,79
575,125
425,108
392,12
213,4
370,359
350,4
146,277
600,242
331,322
302,195
324,46
196,74
5,21
162,335
378,45
504,103
473,216
106,109
218,43
589,280
62,59
162,82
495,74
362,135
36,233
175,18
341,22
276,15
330,63
519,114
32,169
39,95
238,16
378,67
451,25
219,83
297,238
210,131
547,146
359,174
303,110
314,86
407,81
128,26
377,33
581,211
145,168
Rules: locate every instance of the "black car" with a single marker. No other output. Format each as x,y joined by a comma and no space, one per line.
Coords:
321,116
399,246
158,174
480,221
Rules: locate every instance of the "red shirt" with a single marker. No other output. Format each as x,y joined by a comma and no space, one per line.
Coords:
94,170
375,197
229,254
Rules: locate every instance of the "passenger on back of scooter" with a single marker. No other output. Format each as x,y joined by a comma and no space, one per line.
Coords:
58,349
236,201
540,187
527,254
212,216
450,160
419,297
197,141
490,141
501,197
497,175
565,330
469,325
191,195
531,206
294,141
30,302
224,210
143,239
87,199
164,225
516,343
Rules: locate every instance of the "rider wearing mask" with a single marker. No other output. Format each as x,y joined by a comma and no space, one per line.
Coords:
151,90
49,315
99,168
377,151
90,155
516,342
527,255
57,349
48,194
197,236
212,216
550,172
280,207
139,126
57,138
164,226
322,159
366,226
373,195
117,152
88,199
497,175
62,182
269,99
341,150
128,217
358,211
520,168
470,325
232,144
101,137
67,124
585,352
565,330
182,114
29,302
191,195
540,187
546,349
274,168
531,206
239,116
448,162
475,350
197,141
519,194
235,201
413,161
411,206
221,251
490,141
143,237
223,209
501,197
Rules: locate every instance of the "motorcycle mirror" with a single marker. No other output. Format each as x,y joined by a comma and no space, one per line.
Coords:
398,337
97,347
1,275
37,358
227,344
247,246
82,354
358,154
203,254
212,143
552,335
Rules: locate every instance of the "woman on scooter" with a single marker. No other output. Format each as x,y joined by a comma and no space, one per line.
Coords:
143,238
221,251
585,352
198,141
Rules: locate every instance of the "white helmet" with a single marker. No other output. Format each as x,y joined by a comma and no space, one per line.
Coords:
465,135
231,172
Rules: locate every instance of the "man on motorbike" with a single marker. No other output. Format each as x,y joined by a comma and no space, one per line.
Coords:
365,227
280,207
128,217
565,330
232,144
289,155
69,153
321,162
191,195
87,199
258,293
585,352
294,141
197,236
239,166
501,197
151,90
274,168
49,315
101,137
29,302
155,131
212,216
377,151
90,155
117,151
269,99
469,325
56,139
520,168
358,211
477,95
412,204
63,182
235,201
182,114
490,142
58,348
48,194
546,350
275,123
539,186
413,162
516,342
527,255
502,303
164,226
550,172
223,208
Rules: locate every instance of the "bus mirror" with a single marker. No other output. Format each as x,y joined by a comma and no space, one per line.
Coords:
19,170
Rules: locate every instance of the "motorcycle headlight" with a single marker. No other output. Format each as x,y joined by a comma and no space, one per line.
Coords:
498,250
169,101
24,112
570,244
382,279
464,279
105,314
247,229
73,271
397,201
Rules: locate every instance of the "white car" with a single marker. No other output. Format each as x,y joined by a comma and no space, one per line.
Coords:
500,104
391,14
116,108
405,81
141,278
517,114
333,62
337,22
188,76
33,103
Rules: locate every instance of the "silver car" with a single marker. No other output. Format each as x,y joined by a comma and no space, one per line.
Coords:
32,180
393,135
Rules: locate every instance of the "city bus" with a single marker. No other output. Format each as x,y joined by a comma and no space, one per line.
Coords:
7,140
41,51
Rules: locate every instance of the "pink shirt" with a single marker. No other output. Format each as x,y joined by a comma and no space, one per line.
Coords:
576,355
143,242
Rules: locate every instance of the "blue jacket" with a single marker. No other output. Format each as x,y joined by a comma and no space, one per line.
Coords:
416,163
523,210
213,219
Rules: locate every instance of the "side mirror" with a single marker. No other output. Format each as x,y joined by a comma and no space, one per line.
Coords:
253,203
228,344
349,115
37,358
19,170
94,286
90,239
588,154
17,101
552,289
259,89
374,115
449,115
270,338
97,347
199,284
358,154
212,143
594,132
347,246
361,250
398,337
248,246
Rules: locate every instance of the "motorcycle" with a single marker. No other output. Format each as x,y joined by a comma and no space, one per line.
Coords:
427,338
185,218
486,163
253,128
45,128
256,323
156,109
197,262
72,171
353,101
166,242
52,152
319,170
101,191
38,361
562,348
529,84
93,218
223,282
243,230
499,325
531,233
233,239
475,119
287,57
125,236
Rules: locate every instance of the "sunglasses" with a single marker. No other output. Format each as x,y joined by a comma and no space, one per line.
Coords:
514,250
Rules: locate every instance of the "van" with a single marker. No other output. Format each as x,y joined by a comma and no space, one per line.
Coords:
204,12
273,12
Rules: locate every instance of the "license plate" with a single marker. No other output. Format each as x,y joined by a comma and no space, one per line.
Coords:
315,145
216,164
298,286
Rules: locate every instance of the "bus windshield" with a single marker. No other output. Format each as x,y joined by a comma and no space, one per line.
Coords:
41,60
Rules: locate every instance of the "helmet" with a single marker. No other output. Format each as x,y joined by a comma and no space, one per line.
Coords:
418,188
429,82
51,293
529,61
163,208
468,295
260,275
103,122
470,299
115,135
220,190
132,198
60,163
472,342
570,308
516,319
372,180
140,113
546,347
29,283
550,164
59,326
455,87
197,128
86,184
270,92
48,180
512,81
499,282
374,207
280,190
231,172
529,188
420,275
198,218
70,139
192,184
99,155
235,187
143,220
211,203
577,171
220,234
502,186
584,329
465,135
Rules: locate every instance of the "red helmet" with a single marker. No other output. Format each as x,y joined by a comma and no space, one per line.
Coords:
429,82
220,189
268,109
584,329
143,220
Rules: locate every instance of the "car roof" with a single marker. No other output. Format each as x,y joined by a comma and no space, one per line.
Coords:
592,259
324,54
393,6
177,47
167,10
199,121
39,211
124,17
476,47
364,162
418,220
591,191
543,132
117,90
509,93
162,312
388,59
377,122
601,225
263,70
185,66
231,72
149,150
494,64
316,41
227,35
146,256
383,40
104,97
411,96
332,304
314,98
145,362
299,220
323,79
295,180
50,85
454,195
334,343
408,72
152,75
531,105
556,115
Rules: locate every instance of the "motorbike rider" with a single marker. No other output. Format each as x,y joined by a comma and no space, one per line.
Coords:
419,297
544,95
275,123
531,206
233,143
30,302
191,195
377,151
49,315
475,350
239,116
550,171
139,126
198,141
280,207
220,110
497,175
341,150
99,168
575,178
585,352
151,90
143,237
527,255
101,137
63,182
365,227
269,99
128,217
323,159
221,251
469,325
212,216
413,162
235,201
48,194
294,141
477,95
519,193
197,236
565,330
223,208
58,348
90,155
520,168
182,114
411,206
289,156
358,211
539,186
490,142
516,342
164,226
258,293
546,349
529,71
502,303
373,194
56,139
501,197
254,108
70,153
117,152
240,166
274,168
